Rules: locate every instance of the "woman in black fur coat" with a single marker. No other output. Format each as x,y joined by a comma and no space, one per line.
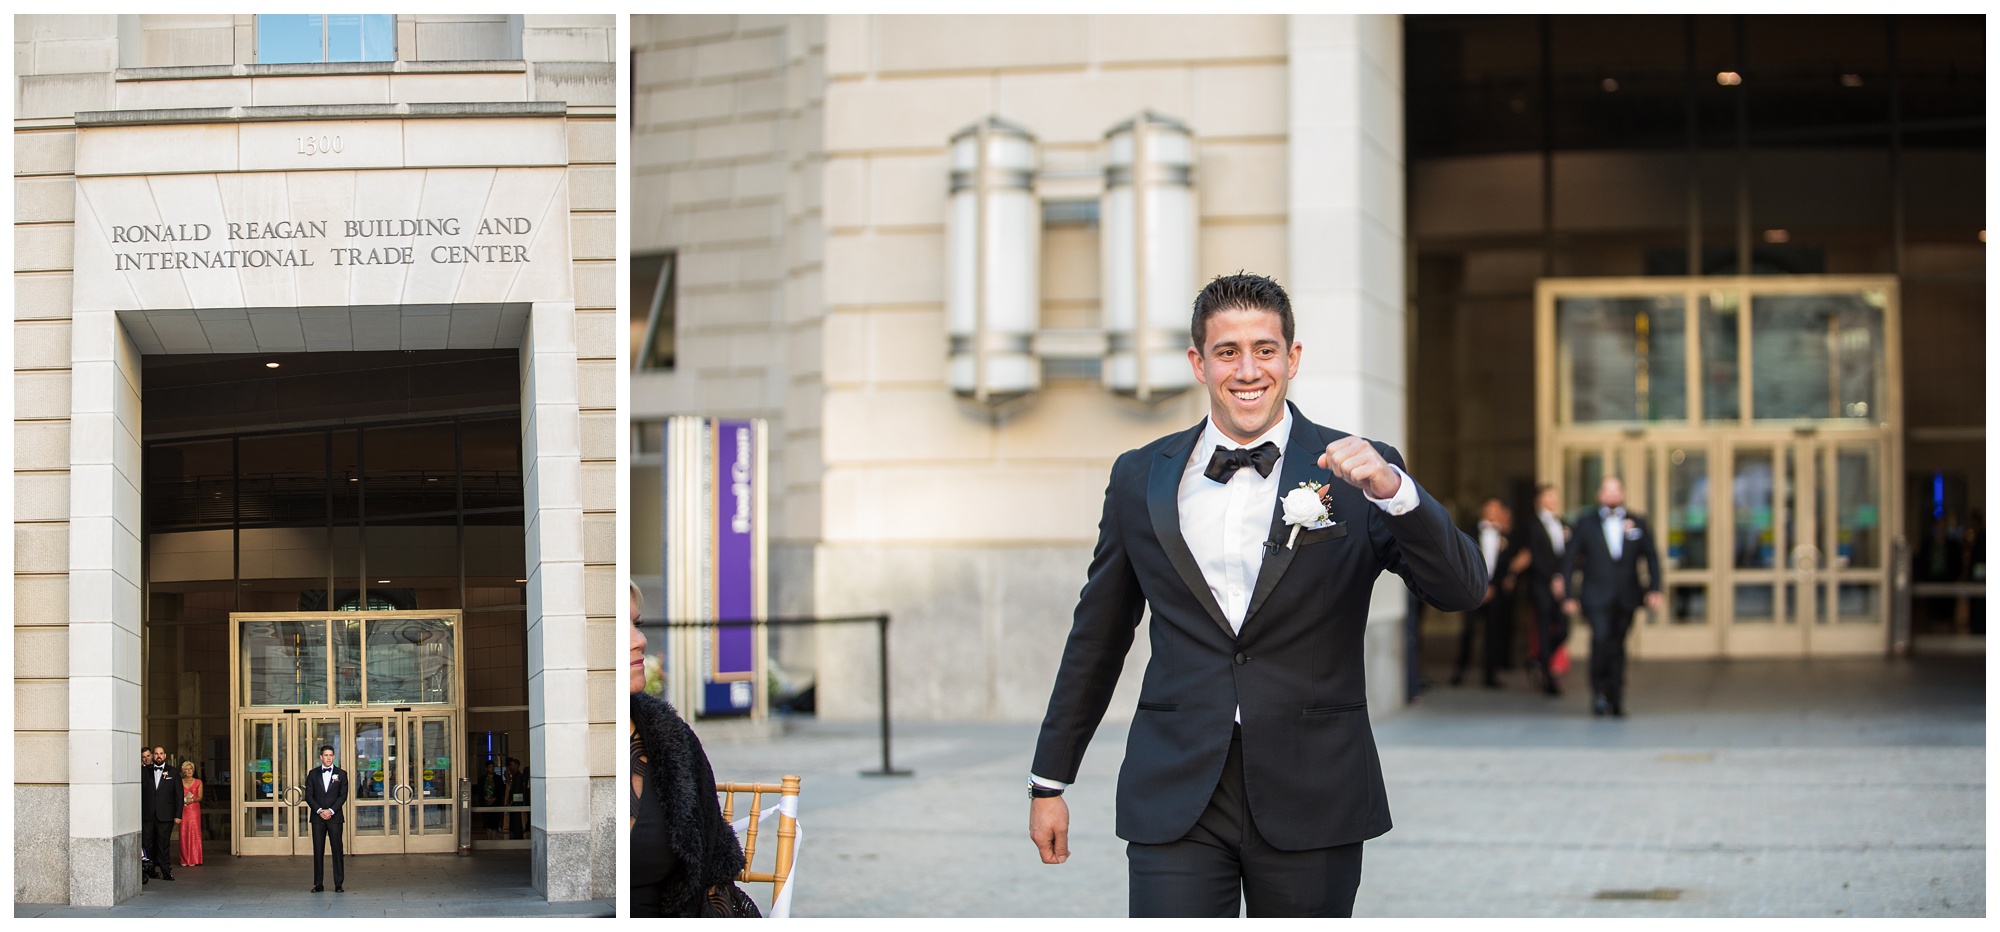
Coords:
681,847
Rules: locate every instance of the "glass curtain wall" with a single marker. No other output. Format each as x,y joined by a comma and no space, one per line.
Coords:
403,516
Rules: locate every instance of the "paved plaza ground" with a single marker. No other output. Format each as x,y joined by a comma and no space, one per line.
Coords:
1769,788
489,883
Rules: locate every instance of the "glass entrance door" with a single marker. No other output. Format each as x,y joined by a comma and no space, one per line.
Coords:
405,785
1756,423
380,688
276,753
1772,561
1809,560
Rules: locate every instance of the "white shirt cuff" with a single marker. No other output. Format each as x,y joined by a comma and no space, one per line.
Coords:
1404,499
1048,783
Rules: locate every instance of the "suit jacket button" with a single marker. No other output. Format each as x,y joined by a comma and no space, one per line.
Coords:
1240,659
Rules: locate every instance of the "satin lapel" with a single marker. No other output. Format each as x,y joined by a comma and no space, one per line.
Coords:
1301,464
1163,502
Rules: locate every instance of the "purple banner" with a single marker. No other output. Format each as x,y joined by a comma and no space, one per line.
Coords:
734,509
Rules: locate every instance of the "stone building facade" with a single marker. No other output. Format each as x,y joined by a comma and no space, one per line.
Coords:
1429,188
796,169
184,194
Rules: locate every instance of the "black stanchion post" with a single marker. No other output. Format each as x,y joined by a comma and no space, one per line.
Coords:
882,652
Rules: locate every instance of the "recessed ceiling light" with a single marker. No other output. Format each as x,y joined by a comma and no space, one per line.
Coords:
380,582
270,365
1728,78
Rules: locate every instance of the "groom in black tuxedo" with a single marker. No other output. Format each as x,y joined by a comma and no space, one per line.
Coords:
1250,771
1610,543
326,794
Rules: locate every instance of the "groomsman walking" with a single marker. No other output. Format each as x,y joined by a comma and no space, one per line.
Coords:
1610,545
1547,538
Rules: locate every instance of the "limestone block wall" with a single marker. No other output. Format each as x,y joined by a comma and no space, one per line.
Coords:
572,58
972,527
63,63
1002,508
726,174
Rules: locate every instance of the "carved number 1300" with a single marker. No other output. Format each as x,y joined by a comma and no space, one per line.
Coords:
320,145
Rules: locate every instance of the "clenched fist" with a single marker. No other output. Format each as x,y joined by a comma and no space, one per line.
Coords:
1359,464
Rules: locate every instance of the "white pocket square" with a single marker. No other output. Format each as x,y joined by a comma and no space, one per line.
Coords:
1322,525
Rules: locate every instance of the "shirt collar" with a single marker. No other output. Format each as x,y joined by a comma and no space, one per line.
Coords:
1212,437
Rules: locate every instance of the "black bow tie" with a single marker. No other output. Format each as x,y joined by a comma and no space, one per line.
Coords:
1224,464
1611,512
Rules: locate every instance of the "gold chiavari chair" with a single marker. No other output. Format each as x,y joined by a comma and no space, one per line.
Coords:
788,828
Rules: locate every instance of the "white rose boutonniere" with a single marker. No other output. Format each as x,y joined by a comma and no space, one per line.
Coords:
1303,508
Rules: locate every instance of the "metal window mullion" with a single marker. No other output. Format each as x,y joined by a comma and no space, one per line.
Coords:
361,522
235,522
331,548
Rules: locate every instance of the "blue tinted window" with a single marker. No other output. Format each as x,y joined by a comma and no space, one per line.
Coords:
355,37
284,38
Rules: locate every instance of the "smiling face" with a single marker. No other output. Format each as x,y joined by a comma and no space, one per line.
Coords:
1246,365
187,769
637,659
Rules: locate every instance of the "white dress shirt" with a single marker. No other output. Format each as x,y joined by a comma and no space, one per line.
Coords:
1553,525
1614,530
1489,546
1225,524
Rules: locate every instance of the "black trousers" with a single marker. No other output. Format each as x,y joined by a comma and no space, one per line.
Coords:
1608,626
1223,863
1493,625
1551,625
323,832
159,842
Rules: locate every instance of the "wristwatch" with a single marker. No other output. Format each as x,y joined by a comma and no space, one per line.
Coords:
1038,791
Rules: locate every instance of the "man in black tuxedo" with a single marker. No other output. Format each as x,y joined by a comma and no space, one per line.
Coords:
1610,543
1250,771
326,794
160,811
146,868
1547,538
1492,623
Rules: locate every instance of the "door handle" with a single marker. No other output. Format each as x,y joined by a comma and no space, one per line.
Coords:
1806,557
293,795
402,794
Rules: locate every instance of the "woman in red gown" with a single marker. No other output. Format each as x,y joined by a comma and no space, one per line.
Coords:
190,815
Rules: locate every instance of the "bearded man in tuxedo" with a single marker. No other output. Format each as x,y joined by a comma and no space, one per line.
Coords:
1255,537
1610,544
160,811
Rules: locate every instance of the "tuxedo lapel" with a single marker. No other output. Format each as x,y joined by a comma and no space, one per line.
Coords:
1163,503
1300,464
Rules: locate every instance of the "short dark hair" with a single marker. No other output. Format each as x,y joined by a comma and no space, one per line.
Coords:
325,748
1243,290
